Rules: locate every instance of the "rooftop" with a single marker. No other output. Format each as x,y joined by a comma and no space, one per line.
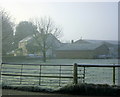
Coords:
77,46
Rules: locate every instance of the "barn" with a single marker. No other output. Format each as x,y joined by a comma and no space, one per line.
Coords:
82,51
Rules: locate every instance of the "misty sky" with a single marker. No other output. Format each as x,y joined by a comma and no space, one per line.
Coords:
89,20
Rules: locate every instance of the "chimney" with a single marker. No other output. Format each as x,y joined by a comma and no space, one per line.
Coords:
72,41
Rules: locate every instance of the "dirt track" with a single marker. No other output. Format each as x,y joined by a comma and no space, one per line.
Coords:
16,92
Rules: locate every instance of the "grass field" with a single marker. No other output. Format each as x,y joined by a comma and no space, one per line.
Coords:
64,61
93,75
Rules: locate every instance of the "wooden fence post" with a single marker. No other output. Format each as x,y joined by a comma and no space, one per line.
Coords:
113,75
84,75
21,75
75,78
60,76
40,76
1,71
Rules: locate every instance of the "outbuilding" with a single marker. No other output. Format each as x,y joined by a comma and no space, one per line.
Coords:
82,51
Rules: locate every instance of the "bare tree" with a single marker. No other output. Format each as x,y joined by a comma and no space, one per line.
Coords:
45,28
7,31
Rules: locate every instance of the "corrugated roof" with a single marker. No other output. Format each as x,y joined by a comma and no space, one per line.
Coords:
76,46
82,41
115,42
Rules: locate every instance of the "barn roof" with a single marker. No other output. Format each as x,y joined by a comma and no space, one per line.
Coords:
114,42
81,41
76,46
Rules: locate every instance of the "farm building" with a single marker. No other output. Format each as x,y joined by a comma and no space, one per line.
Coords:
33,47
78,49
112,45
85,50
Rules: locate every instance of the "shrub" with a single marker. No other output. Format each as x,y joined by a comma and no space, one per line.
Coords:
90,89
79,89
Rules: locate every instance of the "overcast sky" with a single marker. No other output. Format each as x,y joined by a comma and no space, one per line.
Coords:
89,20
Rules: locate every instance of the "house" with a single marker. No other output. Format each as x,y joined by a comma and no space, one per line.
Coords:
82,50
52,43
22,45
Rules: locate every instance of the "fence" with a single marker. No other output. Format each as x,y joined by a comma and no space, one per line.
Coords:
55,75
38,74
102,73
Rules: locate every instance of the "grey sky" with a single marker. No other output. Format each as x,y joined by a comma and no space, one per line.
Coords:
89,20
